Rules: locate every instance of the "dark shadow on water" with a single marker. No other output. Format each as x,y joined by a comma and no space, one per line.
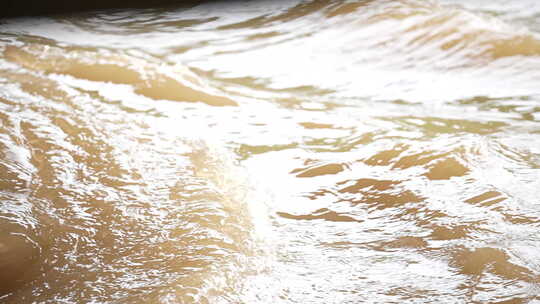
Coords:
19,8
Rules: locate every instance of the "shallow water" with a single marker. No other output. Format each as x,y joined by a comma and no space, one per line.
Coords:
272,152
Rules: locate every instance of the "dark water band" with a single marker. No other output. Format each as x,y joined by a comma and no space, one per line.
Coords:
18,8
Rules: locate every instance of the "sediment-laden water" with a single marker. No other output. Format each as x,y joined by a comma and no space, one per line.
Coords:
272,152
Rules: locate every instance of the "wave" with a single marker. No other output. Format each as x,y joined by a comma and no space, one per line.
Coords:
98,210
149,78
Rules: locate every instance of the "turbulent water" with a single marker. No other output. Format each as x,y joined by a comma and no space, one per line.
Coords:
272,152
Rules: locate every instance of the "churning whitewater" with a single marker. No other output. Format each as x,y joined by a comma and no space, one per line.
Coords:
272,152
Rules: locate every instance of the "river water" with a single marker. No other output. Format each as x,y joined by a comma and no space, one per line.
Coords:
272,152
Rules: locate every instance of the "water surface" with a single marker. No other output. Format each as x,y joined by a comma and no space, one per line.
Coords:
272,152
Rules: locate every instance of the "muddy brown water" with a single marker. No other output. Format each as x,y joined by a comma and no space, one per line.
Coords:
272,152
